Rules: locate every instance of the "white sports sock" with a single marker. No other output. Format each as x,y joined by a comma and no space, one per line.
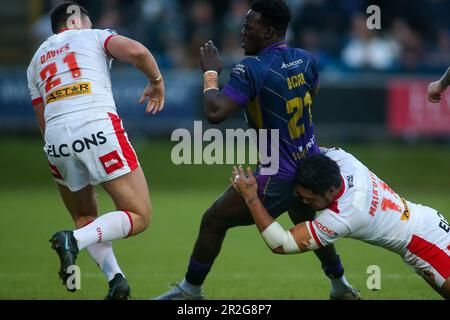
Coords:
110,226
103,255
190,288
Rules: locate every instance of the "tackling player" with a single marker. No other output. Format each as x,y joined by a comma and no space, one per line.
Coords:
353,202
275,87
436,88
85,141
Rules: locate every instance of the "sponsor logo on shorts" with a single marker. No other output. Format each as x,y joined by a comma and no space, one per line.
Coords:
111,162
325,229
99,234
69,91
77,146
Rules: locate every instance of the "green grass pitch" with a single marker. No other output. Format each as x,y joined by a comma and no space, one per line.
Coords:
31,211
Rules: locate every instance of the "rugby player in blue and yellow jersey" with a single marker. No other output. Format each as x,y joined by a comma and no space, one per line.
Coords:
275,86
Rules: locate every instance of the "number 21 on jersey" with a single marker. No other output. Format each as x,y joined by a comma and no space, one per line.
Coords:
49,72
296,106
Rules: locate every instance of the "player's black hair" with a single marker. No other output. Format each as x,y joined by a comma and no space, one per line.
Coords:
59,15
274,13
318,173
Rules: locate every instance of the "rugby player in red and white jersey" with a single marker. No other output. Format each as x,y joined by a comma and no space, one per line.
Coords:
353,202
85,141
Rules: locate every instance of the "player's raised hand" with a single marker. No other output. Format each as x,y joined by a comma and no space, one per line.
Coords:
246,186
435,90
209,57
156,92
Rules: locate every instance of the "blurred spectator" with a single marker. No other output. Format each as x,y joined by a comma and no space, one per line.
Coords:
310,40
414,36
439,56
231,50
200,27
41,29
366,51
324,16
412,51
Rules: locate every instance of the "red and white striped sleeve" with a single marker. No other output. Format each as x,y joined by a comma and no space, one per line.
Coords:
103,37
326,228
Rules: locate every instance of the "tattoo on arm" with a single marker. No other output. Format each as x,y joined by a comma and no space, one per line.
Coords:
446,78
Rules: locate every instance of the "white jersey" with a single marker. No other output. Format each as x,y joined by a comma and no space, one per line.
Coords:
70,73
367,209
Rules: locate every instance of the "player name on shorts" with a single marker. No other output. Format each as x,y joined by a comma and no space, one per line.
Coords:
235,144
76,146
69,91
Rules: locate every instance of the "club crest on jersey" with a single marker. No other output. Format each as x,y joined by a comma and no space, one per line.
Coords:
69,91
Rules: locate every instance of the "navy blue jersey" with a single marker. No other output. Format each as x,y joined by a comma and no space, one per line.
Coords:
275,90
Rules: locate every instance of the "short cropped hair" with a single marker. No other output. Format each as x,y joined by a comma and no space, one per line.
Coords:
59,15
318,173
274,13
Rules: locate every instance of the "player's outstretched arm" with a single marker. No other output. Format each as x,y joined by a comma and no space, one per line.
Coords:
218,107
280,241
436,88
127,50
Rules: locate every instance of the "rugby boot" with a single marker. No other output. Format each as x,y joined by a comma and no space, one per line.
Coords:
350,294
177,293
65,245
118,288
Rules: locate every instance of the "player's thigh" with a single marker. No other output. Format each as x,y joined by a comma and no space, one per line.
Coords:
130,192
443,290
229,210
277,195
82,204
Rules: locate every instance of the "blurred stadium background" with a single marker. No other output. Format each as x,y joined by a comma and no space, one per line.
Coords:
373,103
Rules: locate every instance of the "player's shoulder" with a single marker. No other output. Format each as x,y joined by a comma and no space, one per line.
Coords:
95,33
335,153
246,65
251,62
301,53
107,31
101,31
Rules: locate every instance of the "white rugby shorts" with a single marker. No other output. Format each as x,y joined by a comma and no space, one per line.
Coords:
428,251
88,149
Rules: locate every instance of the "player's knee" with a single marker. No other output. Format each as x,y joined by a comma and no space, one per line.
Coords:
212,220
145,216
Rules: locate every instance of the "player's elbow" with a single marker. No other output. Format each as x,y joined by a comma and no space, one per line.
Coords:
278,250
138,53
